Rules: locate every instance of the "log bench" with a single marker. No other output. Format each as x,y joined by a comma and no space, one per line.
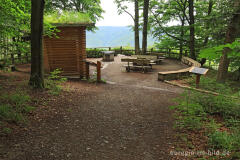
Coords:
171,75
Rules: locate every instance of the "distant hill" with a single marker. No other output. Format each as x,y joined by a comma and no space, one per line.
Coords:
111,36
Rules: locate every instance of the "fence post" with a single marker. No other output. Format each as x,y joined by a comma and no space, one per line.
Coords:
98,71
169,53
87,70
151,51
121,50
26,57
12,58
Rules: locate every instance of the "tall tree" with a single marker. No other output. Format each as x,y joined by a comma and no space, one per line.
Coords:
36,78
210,6
163,13
192,29
232,33
145,26
124,8
136,28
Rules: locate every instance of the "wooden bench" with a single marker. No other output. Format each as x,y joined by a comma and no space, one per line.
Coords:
171,75
190,62
137,64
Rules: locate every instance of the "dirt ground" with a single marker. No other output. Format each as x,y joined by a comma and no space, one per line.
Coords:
126,119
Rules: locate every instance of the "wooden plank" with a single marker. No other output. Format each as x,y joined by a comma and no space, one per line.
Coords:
177,71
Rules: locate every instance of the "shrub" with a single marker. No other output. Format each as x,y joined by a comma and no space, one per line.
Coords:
16,105
221,140
95,53
54,81
226,107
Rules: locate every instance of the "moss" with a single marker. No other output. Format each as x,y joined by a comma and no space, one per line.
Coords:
67,17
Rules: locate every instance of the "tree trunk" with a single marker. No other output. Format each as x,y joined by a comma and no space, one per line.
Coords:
136,21
210,6
192,29
145,26
182,35
36,79
231,34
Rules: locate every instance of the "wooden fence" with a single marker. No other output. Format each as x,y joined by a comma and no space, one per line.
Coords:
171,53
14,50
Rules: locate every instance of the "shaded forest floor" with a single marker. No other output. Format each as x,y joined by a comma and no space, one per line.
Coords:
89,121
128,118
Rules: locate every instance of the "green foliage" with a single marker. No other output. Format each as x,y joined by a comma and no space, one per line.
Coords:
54,81
67,17
95,53
192,114
15,106
212,126
197,110
90,7
221,140
7,130
214,53
226,107
210,84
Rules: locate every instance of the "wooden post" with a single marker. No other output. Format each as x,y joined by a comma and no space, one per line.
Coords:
98,71
121,50
198,80
26,57
109,48
87,70
169,52
151,51
12,58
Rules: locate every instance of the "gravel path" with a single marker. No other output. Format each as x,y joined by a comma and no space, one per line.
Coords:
120,121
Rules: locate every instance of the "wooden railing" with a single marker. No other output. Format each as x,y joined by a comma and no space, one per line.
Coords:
171,53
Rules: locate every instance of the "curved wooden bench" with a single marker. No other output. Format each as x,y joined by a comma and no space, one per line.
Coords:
171,75
190,62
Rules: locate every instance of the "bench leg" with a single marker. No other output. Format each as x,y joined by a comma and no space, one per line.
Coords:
128,69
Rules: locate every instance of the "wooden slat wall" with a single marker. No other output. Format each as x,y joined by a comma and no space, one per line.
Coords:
67,52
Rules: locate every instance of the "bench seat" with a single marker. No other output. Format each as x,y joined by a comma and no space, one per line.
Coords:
171,75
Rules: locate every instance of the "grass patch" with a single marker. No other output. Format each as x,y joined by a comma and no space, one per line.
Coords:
218,116
67,17
14,107
54,82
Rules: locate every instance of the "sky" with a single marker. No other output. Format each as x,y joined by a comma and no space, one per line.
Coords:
111,17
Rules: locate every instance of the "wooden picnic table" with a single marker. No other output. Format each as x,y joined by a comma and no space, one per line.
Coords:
152,58
134,63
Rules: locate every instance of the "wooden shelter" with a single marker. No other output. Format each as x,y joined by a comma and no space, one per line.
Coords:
66,50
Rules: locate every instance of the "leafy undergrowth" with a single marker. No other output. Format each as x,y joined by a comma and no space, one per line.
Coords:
209,125
18,101
14,108
209,83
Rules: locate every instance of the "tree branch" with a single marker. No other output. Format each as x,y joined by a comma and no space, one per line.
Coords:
183,9
128,13
170,35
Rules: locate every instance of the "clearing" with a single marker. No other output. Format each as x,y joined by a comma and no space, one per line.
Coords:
126,119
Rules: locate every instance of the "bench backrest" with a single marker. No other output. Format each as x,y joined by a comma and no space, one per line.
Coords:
190,62
137,61
150,57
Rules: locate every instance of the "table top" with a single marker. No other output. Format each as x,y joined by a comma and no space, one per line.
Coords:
108,52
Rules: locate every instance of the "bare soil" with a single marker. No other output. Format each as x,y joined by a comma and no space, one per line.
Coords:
126,119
